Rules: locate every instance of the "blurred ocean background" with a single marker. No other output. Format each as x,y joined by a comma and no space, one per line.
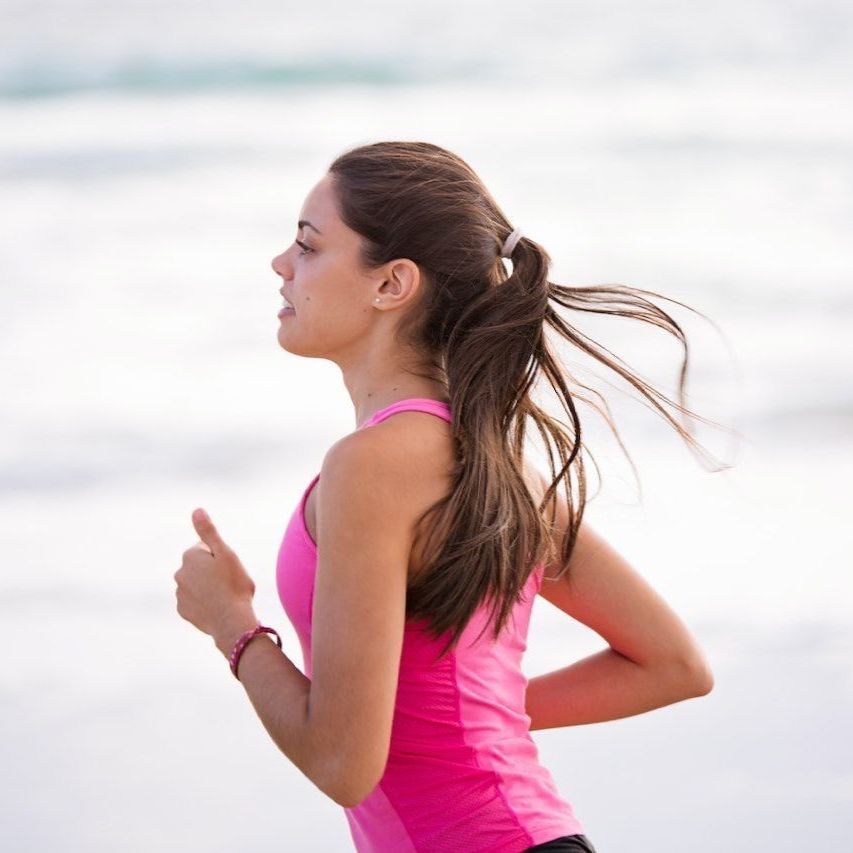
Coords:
153,160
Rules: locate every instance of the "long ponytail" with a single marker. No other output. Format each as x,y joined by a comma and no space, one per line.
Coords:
483,333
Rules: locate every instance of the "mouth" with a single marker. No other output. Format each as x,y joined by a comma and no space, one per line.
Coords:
286,308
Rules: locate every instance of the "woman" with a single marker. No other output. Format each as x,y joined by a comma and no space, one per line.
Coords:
410,565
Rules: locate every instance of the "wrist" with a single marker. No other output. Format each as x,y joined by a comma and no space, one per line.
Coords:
230,631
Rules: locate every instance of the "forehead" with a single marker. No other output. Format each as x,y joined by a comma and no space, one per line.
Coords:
319,207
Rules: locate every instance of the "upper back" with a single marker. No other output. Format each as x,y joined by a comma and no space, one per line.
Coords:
438,444
434,445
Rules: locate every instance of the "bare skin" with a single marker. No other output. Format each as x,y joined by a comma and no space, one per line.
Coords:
337,315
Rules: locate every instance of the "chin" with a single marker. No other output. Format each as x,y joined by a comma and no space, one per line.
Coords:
290,343
283,338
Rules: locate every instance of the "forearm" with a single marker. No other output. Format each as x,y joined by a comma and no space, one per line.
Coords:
604,686
279,693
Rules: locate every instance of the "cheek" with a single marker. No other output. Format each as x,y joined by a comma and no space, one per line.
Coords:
340,319
334,297
341,313
328,297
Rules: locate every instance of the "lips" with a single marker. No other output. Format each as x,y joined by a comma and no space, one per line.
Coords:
287,308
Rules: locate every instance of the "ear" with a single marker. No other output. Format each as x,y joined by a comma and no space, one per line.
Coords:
402,283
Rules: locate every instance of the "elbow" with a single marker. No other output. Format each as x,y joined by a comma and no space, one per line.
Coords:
697,676
706,682
350,800
350,794
349,785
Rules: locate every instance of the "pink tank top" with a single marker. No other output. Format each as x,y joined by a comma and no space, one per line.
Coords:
463,772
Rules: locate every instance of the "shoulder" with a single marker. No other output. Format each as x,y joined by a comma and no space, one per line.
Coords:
410,447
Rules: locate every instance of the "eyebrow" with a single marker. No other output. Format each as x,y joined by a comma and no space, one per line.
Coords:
303,222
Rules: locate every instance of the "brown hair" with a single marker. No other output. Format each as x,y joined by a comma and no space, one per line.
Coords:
482,335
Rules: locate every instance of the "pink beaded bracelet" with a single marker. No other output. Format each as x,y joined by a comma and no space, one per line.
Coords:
242,642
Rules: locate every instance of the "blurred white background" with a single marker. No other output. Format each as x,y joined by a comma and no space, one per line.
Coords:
153,160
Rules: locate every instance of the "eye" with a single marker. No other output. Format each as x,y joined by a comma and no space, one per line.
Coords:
305,248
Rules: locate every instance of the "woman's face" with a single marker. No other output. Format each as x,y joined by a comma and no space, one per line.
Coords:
321,277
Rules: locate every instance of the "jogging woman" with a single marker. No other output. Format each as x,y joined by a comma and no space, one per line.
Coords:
411,562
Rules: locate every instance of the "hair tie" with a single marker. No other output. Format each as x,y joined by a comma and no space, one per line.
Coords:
510,243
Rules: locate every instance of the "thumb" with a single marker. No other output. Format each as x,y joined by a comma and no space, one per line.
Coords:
207,532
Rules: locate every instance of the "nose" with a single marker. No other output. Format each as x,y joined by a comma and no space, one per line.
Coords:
278,265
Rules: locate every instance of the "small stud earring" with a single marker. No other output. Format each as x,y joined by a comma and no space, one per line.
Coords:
377,299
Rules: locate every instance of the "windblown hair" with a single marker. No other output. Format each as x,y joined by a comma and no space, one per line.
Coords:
482,333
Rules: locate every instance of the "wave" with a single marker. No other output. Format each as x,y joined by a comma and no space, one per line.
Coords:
150,75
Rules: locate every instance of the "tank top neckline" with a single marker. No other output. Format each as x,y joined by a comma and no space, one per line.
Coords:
369,422
372,419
